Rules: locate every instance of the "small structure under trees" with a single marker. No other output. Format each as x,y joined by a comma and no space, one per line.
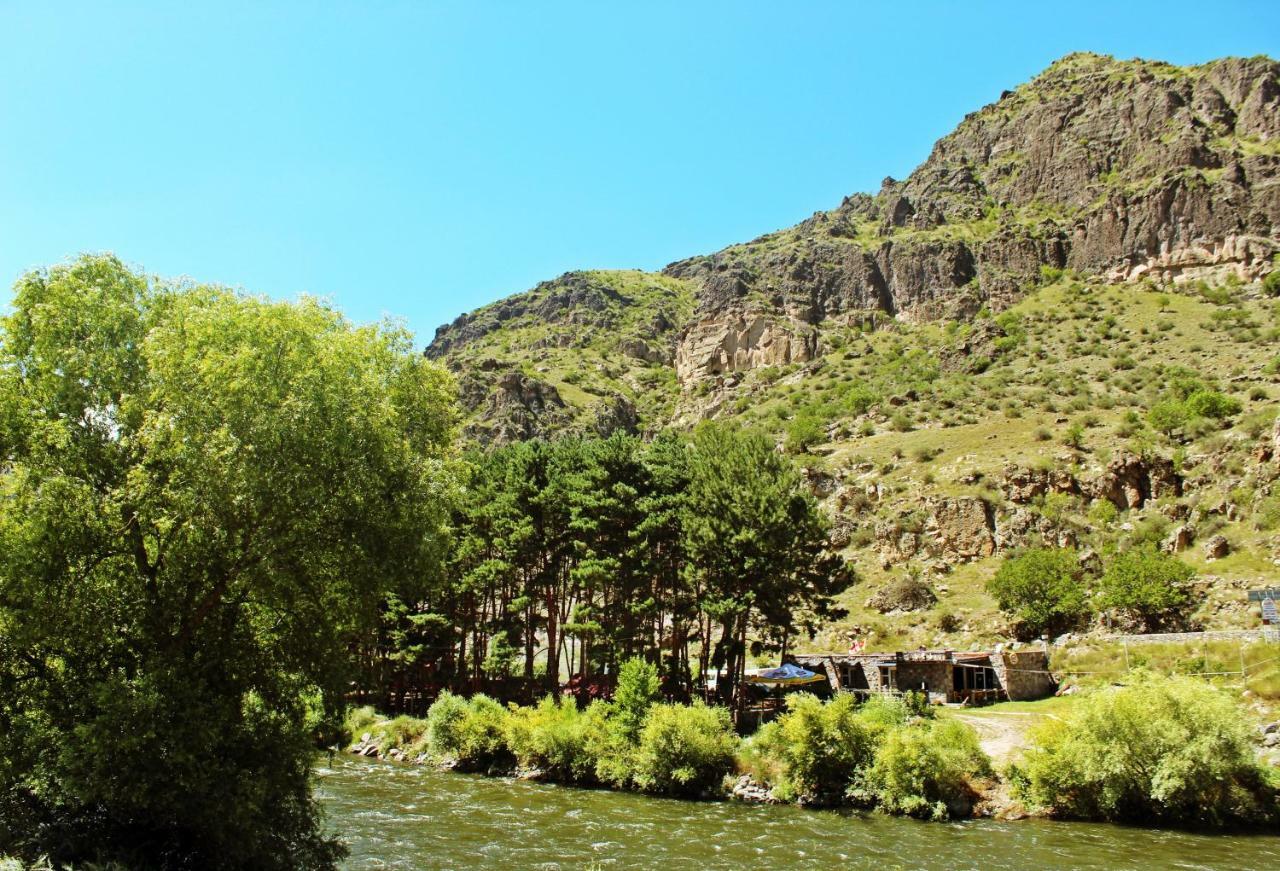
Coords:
945,676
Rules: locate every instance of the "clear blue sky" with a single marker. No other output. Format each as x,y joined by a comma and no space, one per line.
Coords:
420,159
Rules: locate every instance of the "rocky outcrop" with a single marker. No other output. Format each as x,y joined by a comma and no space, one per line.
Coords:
518,407
715,346
1130,480
961,529
1128,169
1022,486
615,413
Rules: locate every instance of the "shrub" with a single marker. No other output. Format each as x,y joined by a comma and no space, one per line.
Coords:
359,720
1212,404
1147,583
1042,589
638,689
804,432
444,720
469,732
820,747
1162,750
925,769
558,739
1271,284
1167,416
685,750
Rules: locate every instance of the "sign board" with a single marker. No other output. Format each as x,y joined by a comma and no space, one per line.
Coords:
1272,593
1269,613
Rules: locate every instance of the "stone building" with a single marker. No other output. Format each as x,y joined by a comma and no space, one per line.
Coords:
944,675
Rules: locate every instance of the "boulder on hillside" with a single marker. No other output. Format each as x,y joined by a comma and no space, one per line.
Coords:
1217,547
961,529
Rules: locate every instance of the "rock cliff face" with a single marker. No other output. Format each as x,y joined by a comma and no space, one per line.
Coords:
1125,170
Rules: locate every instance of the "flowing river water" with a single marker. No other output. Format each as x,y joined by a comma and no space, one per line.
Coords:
397,816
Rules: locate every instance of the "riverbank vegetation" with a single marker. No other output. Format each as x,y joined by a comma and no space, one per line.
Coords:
1163,750
1166,750
886,752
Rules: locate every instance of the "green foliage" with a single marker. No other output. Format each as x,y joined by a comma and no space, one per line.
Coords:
926,769
472,732
804,432
638,688
1212,404
1162,750
1168,416
205,496
1271,284
685,750
1042,589
558,739
820,747
1148,583
756,543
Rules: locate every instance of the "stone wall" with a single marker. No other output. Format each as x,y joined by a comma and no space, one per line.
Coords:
1027,678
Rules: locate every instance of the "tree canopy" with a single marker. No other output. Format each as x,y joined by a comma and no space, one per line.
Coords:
205,493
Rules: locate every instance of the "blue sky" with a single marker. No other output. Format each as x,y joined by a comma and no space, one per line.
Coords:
420,159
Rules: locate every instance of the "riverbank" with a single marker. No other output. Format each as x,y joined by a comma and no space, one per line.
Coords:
1164,750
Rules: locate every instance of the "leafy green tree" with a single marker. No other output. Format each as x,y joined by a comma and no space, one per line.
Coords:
205,495
1042,589
1212,404
1168,416
1147,583
638,689
757,546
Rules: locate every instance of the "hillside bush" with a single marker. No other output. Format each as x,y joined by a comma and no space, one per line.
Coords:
926,769
685,750
1042,589
1170,750
1148,584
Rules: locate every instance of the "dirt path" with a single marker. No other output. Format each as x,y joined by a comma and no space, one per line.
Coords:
1002,736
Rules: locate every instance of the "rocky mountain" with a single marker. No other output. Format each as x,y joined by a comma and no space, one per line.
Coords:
1121,169
978,357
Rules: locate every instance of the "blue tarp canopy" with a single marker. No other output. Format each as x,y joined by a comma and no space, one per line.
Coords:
784,675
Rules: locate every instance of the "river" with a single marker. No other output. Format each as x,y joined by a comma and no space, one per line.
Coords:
397,816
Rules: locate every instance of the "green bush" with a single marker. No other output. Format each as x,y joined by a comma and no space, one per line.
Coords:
1148,584
558,739
444,722
359,720
1041,589
804,432
685,749
926,769
1167,416
470,732
819,747
1212,404
1162,750
638,688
